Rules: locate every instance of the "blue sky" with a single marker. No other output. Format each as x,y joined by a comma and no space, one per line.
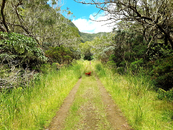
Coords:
82,15
79,10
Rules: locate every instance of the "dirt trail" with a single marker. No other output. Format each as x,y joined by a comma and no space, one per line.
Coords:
114,114
57,122
89,107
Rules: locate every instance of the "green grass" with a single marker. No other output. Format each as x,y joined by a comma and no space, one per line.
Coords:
34,107
137,100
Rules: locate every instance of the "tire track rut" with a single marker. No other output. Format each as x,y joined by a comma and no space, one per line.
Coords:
89,119
59,119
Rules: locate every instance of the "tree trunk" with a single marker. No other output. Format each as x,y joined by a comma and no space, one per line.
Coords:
167,35
3,17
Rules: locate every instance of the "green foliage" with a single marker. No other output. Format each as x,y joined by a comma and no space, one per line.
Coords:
21,50
158,50
43,22
132,55
100,70
123,50
139,103
46,68
99,48
129,55
111,61
120,70
129,47
168,95
34,107
136,65
98,67
162,73
86,50
59,54
129,51
77,68
3,71
88,56
90,37
139,48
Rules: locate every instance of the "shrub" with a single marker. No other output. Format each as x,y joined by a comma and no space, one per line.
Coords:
162,73
120,70
158,50
168,95
100,70
136,64
59,54
18,53
45,68
98,67
19,50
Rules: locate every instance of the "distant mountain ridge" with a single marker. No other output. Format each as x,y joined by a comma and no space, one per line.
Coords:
87,36
90,37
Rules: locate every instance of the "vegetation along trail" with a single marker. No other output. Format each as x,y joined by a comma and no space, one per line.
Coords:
57,72
89,107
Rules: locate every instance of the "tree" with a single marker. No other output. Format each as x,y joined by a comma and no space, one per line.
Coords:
154,15
60,54
38,20
99,47
3,17
19,50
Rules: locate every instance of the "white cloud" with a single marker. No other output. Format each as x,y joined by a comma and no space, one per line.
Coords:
89,26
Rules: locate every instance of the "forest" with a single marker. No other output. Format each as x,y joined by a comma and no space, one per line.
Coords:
37,44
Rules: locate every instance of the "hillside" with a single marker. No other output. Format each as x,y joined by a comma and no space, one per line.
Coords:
90,37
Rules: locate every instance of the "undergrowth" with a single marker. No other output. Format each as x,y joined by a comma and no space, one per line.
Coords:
34,107
137,99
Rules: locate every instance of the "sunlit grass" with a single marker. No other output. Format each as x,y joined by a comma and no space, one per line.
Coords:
138,101
34,107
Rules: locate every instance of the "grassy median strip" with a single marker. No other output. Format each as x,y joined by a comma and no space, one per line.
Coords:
88,110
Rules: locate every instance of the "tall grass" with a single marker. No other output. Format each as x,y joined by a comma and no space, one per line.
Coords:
138,101
34,107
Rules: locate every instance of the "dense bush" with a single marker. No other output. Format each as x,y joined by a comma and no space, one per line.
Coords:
134,66
59,54
168,95
130,47
158,50
162,73
133,54
100,70
19,50
19,55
